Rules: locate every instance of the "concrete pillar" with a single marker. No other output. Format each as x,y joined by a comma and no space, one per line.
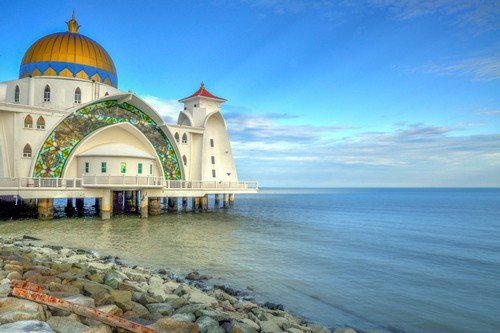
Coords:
204,202
79,206
130,202
196,203
231,199
45,209
69,209
111,202
184,202
106,205
118,202
225,200
30,207
144,204
216,200
172,204
97,206
154,207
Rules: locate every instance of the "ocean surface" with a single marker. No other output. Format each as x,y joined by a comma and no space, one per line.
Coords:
384,260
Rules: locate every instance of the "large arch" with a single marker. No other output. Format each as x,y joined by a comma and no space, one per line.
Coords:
60,143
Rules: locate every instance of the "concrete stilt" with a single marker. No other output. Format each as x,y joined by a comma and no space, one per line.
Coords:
130,204
184,202
217,200
144,204
79,206
204,202
231,199
69,209
154,206
225,200
30,207
97,206
172,204
106,205
45,209
111,203
196,203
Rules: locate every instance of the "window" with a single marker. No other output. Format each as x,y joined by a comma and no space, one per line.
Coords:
40,123
106,94
213,159
184,138
16,95
87,167
139,168
176,136
28,122
27,150
104,167
184,159
78,96
46,94
213,173
212,143
123,167
151,169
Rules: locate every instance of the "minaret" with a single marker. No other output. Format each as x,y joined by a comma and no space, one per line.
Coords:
200,104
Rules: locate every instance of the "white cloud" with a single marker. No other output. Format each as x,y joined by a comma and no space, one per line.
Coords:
479,68
168,108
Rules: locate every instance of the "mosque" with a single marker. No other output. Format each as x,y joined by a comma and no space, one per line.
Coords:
68,131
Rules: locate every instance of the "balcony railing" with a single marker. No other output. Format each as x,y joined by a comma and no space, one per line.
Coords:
98,181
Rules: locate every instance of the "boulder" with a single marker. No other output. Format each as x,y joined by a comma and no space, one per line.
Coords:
111,309
206,323
4,288
197,296
269,326
122,298
214,314
114,277
27,326
169,325
66,325
159,310
344,330
15,309
188,317
14,275
156,287
196,276
191,308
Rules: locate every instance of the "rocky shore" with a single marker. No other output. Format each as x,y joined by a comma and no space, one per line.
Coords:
154,299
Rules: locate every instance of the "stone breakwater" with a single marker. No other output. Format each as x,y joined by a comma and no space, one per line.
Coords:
154,299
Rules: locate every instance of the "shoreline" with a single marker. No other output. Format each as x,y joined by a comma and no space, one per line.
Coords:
147,296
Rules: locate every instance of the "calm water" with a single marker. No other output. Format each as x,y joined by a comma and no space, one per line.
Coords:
405,260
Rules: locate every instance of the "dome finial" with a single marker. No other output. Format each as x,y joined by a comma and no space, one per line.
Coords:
73,24
202,85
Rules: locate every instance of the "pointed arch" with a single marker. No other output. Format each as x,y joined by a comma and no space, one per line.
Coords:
27,151
184,159
16,94
184,138
176,136
46,93
28,122
78,96
40,123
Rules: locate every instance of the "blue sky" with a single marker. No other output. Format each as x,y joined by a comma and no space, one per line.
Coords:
320,93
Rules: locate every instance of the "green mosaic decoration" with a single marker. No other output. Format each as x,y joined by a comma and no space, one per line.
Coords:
53,155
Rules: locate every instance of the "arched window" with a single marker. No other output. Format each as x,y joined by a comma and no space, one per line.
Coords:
176,136
40,123
28,122
27,150
78,96
184,138
46,94
106,94
16,95
184,159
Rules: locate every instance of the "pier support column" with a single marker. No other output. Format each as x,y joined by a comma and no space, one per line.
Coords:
217,200
106,205
97,206
144,204
231,199
196,203
172,204
226,200
69,209
30,207
45,209
184,202
79,206
204,202
153,206
130,202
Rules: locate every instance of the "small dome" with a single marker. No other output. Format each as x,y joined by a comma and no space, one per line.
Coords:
69,54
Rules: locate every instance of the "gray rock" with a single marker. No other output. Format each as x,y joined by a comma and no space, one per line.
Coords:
269,326
187,317
14,309
344,330
5,288
114,278
205,323
214,314
66,325
197,296
81,300
28,326
111,309
318,328
191,308
15,275
169,325
159,310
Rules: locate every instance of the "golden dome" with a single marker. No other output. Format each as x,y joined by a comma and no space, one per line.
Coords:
69,54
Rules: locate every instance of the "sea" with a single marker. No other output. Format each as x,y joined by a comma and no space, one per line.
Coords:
377,259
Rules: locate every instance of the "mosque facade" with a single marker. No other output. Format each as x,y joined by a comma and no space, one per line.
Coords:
68,131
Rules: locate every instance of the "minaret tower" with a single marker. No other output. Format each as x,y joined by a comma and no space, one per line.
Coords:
200,104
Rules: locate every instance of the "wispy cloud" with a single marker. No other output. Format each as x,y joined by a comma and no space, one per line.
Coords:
487,112
167,108
479,68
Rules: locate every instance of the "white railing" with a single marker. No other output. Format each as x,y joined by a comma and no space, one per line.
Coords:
121,181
